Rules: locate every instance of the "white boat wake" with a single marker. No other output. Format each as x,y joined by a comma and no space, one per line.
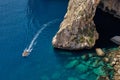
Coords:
29,49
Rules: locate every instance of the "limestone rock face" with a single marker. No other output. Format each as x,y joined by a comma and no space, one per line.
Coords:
77,30
111,6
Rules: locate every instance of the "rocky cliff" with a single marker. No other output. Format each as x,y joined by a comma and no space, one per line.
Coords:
111,6
77,30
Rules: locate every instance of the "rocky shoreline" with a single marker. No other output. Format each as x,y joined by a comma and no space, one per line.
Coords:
78,31
112,57
102,64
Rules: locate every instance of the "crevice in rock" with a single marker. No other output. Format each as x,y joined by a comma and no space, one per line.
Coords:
107,26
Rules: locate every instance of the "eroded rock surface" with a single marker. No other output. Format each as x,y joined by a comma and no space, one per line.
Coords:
115,62
111,6
77,31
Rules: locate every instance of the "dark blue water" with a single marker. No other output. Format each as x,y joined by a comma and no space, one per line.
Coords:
19,22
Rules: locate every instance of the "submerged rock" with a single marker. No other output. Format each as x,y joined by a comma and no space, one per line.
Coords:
100,71
83,76
72,64
102,78
115,62
81,68
85,57
97,63
77,31
105,59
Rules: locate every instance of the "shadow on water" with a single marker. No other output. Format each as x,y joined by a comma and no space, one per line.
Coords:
63,55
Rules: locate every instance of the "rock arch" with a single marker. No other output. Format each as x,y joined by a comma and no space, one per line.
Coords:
77,30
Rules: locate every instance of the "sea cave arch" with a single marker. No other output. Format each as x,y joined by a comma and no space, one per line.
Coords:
107,26
78,28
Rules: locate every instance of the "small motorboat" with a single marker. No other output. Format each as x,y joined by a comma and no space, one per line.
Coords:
25,53
116,39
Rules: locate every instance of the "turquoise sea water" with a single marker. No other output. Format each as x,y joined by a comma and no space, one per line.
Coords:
19,22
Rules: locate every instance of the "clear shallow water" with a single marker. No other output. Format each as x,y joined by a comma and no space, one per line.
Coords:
19,21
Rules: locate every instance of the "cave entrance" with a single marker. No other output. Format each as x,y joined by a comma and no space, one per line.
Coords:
107,26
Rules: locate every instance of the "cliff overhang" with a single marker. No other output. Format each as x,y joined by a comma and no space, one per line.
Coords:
77,30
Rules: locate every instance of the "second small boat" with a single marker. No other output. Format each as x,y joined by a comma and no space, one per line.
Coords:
116,39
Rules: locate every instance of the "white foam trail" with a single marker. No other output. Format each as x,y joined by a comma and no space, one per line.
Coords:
37,34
